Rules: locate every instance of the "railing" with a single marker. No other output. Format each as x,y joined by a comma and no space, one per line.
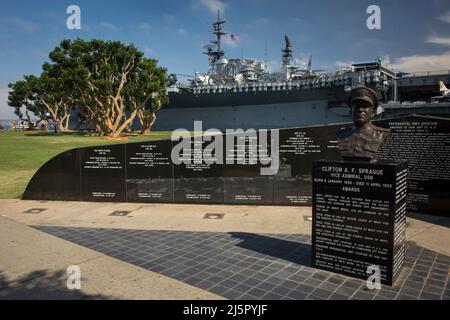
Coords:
425,74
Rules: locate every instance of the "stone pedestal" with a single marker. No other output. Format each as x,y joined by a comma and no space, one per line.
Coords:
359,217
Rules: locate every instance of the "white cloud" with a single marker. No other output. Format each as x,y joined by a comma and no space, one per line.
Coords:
443,41
213,5
386,59
420,63
108,25
445,18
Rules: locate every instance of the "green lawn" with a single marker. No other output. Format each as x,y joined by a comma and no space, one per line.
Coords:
23,153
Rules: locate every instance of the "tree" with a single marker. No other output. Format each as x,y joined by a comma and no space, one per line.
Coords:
147,92
108,83
112,82
20,97
40,95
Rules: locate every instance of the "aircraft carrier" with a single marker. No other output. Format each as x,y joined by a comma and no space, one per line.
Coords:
244,93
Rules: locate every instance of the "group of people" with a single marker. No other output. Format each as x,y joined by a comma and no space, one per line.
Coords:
46,123
49,123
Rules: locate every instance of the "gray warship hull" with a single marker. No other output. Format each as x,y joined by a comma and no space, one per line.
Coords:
255,109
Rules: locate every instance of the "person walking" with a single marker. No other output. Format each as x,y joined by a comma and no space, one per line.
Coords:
57,126
50,122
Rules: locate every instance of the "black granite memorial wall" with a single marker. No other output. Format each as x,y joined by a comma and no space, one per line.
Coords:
425,143
197,180
57,179
100,169
149,176
359,217
242,179
144,172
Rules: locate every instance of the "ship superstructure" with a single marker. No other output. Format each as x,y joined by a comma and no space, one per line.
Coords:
238,75
244,93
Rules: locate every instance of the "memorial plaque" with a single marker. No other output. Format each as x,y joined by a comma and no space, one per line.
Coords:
103,173
359,217
195,179
149,172
243,178
248,190
58,179
298,148
425,143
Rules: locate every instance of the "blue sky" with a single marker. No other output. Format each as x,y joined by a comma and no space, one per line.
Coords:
414,35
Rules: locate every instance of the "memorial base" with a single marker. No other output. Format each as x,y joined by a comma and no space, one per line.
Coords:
359,216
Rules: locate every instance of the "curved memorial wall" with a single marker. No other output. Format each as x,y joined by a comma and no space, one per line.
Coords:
240,168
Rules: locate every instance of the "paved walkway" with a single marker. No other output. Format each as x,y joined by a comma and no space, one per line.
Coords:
155,251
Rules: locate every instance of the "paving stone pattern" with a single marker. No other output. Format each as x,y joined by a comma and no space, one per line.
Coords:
239,265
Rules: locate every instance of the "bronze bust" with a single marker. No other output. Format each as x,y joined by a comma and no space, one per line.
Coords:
362,141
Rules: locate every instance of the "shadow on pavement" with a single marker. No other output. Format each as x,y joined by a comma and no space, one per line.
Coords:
292,251
41,285
438,220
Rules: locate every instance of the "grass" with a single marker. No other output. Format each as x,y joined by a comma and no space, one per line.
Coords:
23,153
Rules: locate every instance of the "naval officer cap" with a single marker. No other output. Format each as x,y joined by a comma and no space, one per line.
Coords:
364,94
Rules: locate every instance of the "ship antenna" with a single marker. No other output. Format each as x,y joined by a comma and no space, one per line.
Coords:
218,30
218,53
219,33
265,51
287,51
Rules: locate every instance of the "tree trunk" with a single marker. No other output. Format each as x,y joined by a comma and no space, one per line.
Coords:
128,128
28,116
146,121
117,132
65,122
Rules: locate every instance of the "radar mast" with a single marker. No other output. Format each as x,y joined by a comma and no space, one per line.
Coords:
216,55
287,52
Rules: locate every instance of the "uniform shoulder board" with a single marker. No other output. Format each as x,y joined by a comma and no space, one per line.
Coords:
382,129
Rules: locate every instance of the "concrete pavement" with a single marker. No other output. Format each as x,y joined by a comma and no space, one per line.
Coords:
33,264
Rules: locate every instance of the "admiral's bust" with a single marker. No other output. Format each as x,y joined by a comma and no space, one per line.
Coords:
362,141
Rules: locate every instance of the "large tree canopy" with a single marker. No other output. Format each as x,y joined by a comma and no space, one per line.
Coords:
108,83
